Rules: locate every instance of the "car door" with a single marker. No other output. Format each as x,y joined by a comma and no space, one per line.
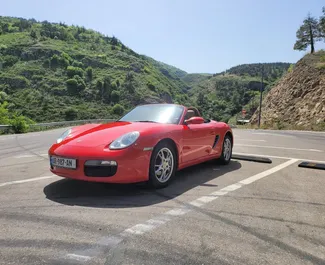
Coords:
198,140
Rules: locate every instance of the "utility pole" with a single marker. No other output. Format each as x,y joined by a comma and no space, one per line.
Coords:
261,90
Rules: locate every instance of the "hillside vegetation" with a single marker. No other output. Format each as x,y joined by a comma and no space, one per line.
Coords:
298,100
53,72
224,94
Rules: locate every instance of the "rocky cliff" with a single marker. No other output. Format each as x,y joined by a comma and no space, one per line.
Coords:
298,100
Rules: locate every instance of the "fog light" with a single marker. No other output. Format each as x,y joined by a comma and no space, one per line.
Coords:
100,163
108,163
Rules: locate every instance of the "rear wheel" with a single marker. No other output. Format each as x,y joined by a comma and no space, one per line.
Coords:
162,165
226,150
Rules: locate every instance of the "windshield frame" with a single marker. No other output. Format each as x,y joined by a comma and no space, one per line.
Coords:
177,122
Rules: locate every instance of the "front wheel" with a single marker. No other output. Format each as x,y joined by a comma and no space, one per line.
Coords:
226,151
162,165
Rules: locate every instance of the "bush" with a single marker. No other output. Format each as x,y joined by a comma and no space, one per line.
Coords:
115,96
3,96
4,115
118,109
72,71
71,114
19,124
14,81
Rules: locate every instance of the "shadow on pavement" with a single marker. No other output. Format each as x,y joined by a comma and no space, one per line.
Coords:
104,195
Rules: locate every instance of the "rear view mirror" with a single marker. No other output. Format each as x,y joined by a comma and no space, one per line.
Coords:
195,120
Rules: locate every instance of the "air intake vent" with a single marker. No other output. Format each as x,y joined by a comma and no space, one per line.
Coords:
215,141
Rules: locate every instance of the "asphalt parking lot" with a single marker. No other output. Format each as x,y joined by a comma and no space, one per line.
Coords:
243,213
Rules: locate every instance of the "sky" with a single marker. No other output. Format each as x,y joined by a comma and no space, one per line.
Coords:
197,36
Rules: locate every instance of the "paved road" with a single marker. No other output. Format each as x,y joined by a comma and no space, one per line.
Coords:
244,213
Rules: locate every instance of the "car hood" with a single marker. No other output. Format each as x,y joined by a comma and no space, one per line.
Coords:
92,135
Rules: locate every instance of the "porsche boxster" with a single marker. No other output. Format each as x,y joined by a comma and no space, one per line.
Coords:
148,144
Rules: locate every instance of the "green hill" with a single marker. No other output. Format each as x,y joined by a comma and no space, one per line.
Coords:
223,95
53,72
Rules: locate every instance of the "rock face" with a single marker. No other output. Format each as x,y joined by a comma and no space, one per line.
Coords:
298,99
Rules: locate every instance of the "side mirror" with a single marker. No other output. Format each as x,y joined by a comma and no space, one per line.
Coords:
194,120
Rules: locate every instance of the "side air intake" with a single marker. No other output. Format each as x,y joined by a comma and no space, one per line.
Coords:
215,141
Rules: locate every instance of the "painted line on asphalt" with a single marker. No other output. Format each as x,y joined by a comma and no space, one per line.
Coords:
25,180
280,157
28,156
79,257
280,147
251,140
275,134
154,223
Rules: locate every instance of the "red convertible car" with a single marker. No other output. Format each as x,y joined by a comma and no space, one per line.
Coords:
150,143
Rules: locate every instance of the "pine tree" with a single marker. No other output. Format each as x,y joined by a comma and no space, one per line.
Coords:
308,34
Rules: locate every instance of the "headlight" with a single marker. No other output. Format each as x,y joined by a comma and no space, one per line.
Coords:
63,136
125,140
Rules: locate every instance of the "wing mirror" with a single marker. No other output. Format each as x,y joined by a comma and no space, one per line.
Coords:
194,120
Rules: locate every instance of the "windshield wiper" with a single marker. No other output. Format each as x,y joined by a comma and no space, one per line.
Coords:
146,121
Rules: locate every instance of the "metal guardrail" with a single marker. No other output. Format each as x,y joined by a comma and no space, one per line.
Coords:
59,123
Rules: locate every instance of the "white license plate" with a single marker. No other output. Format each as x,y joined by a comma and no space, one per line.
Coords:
63,162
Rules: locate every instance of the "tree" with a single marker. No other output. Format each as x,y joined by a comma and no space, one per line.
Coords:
33,34
308,34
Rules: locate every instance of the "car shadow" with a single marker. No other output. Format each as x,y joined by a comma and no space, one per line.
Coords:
104,195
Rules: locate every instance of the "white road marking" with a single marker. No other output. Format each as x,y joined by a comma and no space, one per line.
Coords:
207,199
30,155
231,187
196,203
140,229
177,211
251,140
219,193
151,224
281,157
110,241
280,147
155,221
78,257
25,180
275,134
267,172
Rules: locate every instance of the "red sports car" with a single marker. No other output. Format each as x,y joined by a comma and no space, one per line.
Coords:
150,143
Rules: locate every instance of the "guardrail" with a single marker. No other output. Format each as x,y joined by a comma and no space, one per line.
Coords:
67,123
60,123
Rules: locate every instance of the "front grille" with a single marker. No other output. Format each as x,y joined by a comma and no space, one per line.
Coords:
100,171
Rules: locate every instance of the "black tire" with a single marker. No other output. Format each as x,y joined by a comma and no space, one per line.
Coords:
225,157
164,147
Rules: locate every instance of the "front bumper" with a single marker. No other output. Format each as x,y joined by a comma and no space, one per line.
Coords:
129,165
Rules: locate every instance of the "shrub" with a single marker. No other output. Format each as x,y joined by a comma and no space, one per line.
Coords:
3,96
115,96
19,124
89,71
151,86
118,109
72,71
71,114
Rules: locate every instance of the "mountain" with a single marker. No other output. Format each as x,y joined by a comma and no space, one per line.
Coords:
298,100
222,95
51,71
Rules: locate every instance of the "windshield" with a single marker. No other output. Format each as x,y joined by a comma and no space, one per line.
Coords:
160,113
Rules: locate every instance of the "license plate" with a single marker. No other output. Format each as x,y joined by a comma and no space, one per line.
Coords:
63,162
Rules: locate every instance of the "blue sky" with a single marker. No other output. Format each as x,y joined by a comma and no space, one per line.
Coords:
195,35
